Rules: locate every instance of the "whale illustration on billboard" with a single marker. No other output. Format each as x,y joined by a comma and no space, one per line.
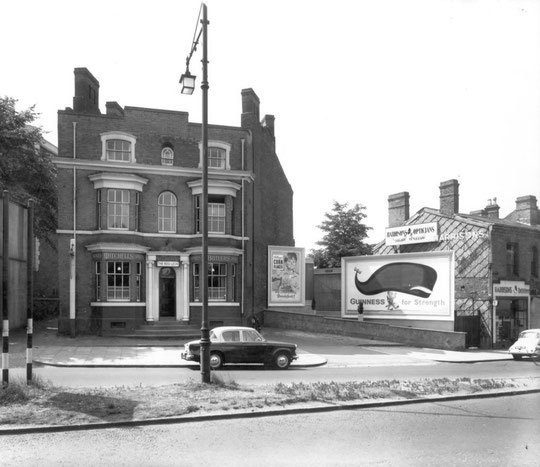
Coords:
409,278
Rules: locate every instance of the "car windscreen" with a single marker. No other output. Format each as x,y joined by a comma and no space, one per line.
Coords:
529,335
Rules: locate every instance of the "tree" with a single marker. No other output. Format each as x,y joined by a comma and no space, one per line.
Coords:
344,236
26,168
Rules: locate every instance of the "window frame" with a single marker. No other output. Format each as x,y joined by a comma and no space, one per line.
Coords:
222,145
167,156
217,282
114,204
122,137
172,209
120,292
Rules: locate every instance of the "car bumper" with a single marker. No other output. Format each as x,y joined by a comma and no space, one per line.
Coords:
188,356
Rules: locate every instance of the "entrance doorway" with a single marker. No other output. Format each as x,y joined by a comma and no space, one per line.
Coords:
167,292
511,319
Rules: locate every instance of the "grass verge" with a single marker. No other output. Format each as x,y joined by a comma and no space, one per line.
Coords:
41,403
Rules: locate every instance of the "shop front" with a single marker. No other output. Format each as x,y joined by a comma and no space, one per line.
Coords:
511,311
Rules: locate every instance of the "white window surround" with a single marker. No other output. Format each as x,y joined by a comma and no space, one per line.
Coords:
167,156
117,135
218,144
215,187
118,181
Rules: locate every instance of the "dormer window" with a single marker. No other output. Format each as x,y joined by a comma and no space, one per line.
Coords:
118,147
167,156
218,155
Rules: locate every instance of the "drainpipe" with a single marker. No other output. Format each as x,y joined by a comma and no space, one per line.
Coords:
490,286
242,311
73,242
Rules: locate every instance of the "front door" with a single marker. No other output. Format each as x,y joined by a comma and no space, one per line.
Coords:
167,292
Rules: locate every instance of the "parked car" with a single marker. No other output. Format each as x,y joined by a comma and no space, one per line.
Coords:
237,344
528,344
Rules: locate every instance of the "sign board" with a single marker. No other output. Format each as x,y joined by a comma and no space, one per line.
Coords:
168,264
511,289
417,286
286,276
414,233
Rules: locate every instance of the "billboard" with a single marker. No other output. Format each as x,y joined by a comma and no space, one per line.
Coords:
417,286
286,276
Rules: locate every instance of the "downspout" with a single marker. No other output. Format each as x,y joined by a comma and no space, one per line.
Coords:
490,286
73,242
242,311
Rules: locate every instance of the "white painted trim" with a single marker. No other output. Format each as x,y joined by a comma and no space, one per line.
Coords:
147,234
121,135
118,247
175,171
218,144
210,303
118,181
117,304
215,187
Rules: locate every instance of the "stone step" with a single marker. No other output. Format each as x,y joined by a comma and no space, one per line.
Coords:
167,330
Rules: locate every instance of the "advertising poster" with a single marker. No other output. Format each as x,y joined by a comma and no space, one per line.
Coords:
286,276
405,286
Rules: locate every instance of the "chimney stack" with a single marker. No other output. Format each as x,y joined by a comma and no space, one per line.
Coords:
86,99
398,209
250,108
526,210
449,197
492,209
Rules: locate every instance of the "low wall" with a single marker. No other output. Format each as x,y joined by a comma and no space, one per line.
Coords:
445,340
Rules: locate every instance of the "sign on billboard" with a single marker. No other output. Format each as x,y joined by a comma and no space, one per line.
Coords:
286,277
416,286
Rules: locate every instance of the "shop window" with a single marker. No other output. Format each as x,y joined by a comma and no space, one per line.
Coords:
138,281
118,209
217,282
534,261
167,212
118,147
167,156
512,259
118,275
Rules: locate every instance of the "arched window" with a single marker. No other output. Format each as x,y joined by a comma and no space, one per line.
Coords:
167,212
167,156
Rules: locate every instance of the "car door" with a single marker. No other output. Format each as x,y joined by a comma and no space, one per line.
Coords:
253,346
231,346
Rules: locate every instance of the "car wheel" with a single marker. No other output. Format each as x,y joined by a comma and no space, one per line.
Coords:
216,361
282,360
516,357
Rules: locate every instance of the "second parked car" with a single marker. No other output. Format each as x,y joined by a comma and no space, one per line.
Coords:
237,344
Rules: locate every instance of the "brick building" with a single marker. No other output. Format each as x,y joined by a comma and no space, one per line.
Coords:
129,185
497,283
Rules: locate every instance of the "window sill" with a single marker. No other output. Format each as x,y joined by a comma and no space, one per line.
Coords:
215,304
113,304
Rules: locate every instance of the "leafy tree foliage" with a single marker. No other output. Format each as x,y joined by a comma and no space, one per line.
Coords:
344,236
26,168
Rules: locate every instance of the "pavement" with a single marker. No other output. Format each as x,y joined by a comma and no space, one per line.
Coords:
50,348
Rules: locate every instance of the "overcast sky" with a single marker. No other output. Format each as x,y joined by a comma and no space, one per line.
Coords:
371,97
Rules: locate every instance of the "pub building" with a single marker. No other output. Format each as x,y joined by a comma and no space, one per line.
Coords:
129,202
496,262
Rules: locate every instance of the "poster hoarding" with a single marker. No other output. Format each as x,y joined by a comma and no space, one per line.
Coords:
286,276
417,286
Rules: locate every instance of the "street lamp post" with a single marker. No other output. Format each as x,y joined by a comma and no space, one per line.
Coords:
188,86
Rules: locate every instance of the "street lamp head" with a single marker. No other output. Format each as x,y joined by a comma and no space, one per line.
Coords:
187,80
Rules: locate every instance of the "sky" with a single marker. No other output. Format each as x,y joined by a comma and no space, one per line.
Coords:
370,97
